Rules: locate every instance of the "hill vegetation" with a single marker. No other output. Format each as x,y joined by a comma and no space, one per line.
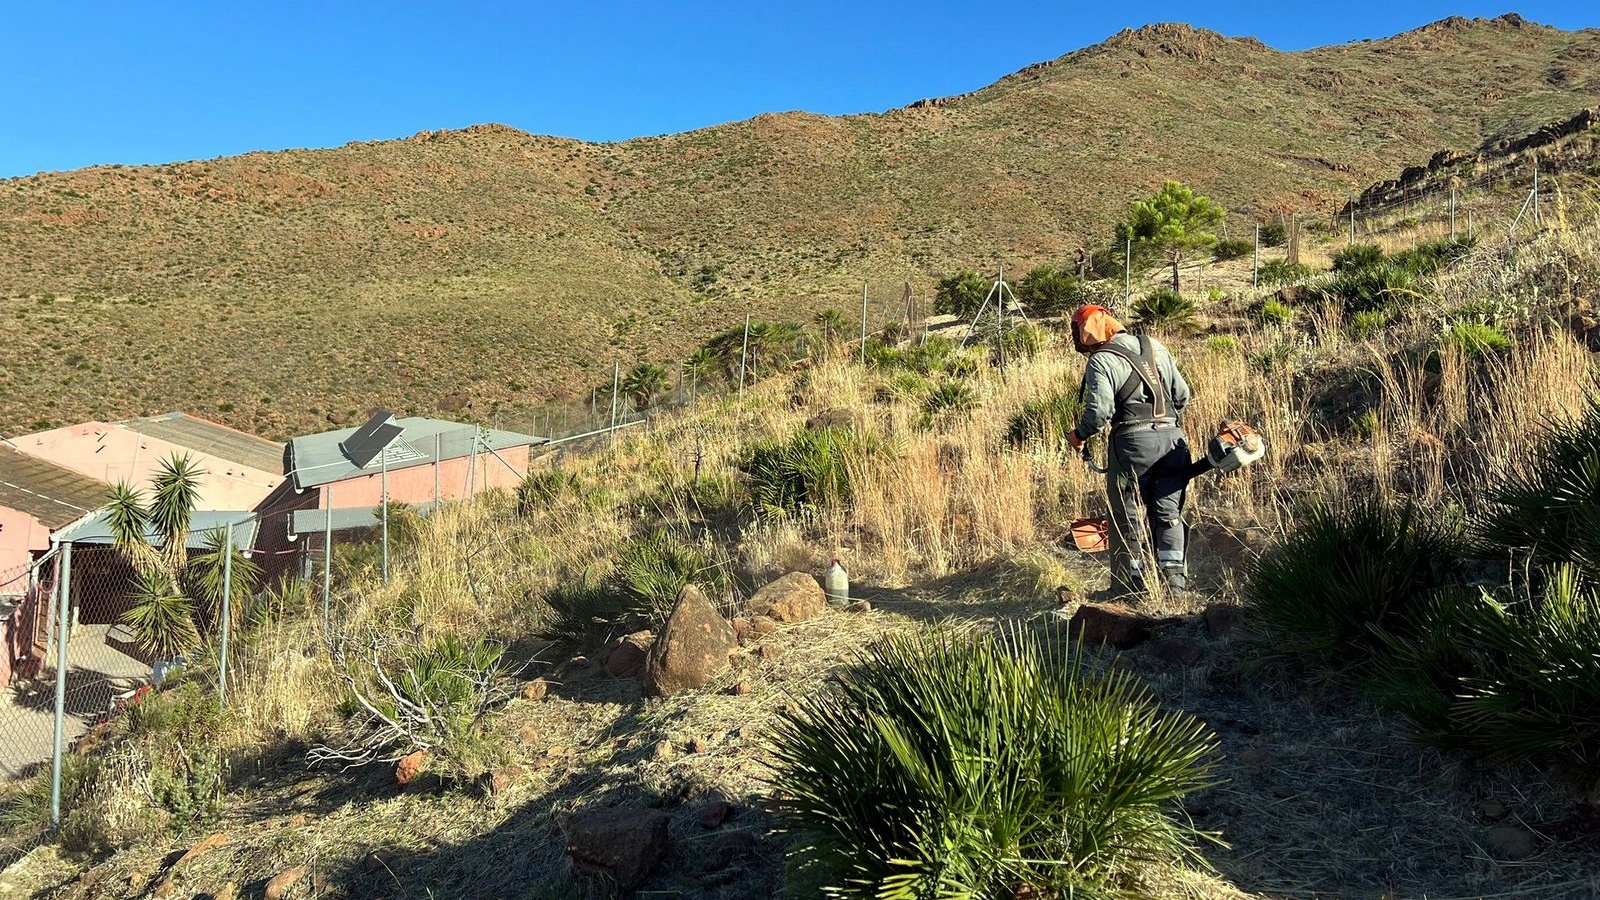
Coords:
485,271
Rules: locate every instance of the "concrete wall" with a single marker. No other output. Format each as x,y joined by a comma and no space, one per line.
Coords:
110,453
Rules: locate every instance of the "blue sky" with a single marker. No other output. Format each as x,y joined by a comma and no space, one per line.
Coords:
124,82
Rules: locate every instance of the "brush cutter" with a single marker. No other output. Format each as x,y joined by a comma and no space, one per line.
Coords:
1235,446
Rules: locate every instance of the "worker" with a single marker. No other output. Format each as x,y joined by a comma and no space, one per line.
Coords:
1132,384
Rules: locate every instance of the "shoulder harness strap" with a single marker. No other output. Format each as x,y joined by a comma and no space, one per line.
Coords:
1146,372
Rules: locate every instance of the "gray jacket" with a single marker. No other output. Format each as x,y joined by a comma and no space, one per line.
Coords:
1107,372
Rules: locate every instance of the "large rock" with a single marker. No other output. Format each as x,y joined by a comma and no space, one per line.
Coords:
693,647
793,598
626,656
1120,626
624,845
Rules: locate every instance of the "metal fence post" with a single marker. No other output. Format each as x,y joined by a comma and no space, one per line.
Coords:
1127,274
227,614
383,513
63,614
863,323
1255,264
744,352
327,555
616,383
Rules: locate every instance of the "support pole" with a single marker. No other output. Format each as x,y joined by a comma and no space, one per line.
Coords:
999,317
863,323
616,385
1352,220
437,449
1127,276
744,352
383,513
63,614
227,614
1255,264
327,552
1537,219
1452,214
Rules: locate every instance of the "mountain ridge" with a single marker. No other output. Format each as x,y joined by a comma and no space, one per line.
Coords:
511,267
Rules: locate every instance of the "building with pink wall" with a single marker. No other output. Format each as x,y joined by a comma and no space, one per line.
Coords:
240,469
417,461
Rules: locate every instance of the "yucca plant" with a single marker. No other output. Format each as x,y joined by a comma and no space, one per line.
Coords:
1476,340
947,397
1164,308
207,571
153,536
1357,256
1546,508
987,766
1349,573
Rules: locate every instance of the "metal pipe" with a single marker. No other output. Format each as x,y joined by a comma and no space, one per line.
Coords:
327,553
64,590
227,614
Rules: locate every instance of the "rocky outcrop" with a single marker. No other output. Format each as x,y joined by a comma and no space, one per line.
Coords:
791,599
623,845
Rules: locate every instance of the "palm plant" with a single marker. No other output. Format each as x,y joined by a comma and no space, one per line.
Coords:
1164,308
643,382
153,536
987,766
833,323
1547,508
700,364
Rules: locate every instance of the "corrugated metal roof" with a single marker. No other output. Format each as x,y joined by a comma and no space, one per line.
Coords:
54,495
213,438
97,530
316,521
316,459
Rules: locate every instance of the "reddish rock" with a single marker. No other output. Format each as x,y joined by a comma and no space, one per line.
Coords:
626,657
410,766
528,734
763,626
279,885
624,845
1177,651
1491,809
505,778
698,745
741,689
377,861
769,651
535,689
1223,620
205,845
859,606
1110,623
793,598
693,647
743,630
731,846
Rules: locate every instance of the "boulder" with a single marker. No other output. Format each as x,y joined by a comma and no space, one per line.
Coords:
279,885
626,656
761,626
624,845
410,766
793,598
714,813
693,647
1120,626
535,689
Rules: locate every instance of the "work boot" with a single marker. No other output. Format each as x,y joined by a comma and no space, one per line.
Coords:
1177,583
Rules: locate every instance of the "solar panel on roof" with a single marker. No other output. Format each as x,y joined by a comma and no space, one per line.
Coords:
371,439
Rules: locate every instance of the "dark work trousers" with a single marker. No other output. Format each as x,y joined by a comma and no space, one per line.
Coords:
1146,478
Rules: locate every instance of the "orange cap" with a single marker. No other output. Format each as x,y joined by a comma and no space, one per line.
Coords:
1092,326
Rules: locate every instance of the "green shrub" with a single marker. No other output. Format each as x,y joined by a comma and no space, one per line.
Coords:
178,729
1164,308
1275,272
1046,419
1546,509
1232,248
1348,573
1357,256
947,397
1475,340
973,766
961,294
1513,679
1274,233
651,571
802,474
1046,291
1025,341
1371,288
1273,311
1368,323
1222,344
1432,257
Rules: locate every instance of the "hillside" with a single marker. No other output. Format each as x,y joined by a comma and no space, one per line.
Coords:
277,291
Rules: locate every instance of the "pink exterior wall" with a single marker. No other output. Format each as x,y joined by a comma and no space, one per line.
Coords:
415,484
111,454
20,536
